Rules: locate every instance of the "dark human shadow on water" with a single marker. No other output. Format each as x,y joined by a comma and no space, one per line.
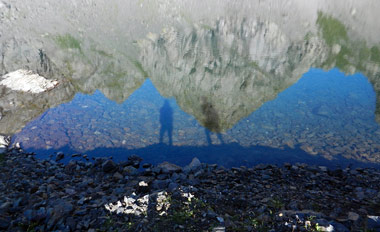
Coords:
211,118
166,121
227,155
208,137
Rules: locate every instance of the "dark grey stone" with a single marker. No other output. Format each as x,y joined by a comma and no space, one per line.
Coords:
108,166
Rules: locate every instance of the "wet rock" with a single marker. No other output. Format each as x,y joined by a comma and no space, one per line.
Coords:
59,156
135,161
146,165
109,166
193,166
167,167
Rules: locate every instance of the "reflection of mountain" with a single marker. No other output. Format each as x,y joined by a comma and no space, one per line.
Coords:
223,72
218,70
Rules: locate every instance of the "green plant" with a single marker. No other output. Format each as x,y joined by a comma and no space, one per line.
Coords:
28,227
276,204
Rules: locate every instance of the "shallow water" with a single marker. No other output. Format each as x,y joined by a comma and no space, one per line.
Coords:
326,118
230,83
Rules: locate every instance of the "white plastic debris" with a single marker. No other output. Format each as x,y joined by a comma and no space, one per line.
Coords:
26,81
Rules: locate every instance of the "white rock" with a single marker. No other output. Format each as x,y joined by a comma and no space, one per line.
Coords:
4,141
27,81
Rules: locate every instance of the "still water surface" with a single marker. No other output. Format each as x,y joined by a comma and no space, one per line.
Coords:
230,83
325,118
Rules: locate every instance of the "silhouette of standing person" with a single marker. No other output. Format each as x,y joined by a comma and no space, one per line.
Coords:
166,121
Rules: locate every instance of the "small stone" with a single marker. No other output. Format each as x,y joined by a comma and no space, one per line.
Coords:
108,166
219,229
4,141
59,156
129,170
134,160
6,205
220,219
70,191
172,187
146,165
353,216
193,166
118,176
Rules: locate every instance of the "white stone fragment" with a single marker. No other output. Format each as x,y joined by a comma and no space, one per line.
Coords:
4,141
26,81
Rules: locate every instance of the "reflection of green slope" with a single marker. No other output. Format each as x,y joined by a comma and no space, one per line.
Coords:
348,55
332,30
67,41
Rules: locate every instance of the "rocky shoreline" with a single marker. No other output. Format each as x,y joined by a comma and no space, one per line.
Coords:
101,195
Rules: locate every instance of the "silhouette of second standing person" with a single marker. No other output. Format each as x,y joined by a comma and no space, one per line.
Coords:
166,121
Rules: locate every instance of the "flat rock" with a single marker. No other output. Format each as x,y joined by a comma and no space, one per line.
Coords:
167,167
353,216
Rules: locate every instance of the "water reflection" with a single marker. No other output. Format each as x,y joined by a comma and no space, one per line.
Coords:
208,137
166,121
230,80
325,118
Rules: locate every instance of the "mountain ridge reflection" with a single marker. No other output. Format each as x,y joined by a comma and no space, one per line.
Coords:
325,113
